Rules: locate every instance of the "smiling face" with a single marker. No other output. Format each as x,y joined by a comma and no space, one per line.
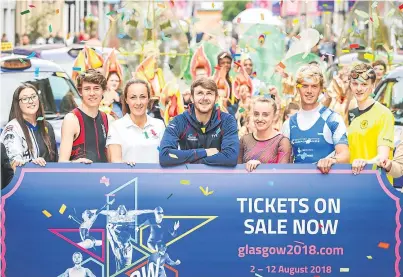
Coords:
309,91
379,71
248,65
29,102
361,89
91,94
204,99
113,82
263,115
137,99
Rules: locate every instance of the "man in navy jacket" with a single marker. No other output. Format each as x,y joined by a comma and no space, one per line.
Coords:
205,134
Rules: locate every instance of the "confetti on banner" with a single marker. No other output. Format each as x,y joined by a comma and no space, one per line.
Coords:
258,275
173,156
77,69
46,213
369,257
50,28
346,269
25,12
62,209
383,245
31,6
170,195
320,226
206,192
39,118
36,71
361,14
185,182
57,11
105,181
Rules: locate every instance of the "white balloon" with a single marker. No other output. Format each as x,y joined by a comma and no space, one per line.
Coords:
307,40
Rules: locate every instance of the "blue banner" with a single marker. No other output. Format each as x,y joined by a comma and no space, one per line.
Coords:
110,220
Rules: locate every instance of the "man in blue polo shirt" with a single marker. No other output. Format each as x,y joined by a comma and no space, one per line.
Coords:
317,134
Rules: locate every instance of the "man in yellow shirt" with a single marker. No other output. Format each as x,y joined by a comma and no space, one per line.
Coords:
371,130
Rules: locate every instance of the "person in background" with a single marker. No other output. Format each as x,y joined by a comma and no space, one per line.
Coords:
93,39
4,38
265,145
291,109
248,64
379,67
205,134
371,130
85,129
186,98
224,60
28,137
135,137
317,134
248,127
112,94
59,38
394,167
25,39
7,170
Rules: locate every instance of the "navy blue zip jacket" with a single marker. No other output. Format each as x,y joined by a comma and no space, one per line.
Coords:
221,132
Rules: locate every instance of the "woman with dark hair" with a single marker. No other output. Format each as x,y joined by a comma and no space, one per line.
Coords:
379,67
136,136
28,137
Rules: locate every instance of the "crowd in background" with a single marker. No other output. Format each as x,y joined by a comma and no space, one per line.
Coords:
227,121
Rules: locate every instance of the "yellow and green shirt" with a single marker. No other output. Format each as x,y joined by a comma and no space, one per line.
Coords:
369,129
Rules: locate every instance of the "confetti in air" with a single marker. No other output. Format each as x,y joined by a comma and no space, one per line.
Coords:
46,213
25,12
62,209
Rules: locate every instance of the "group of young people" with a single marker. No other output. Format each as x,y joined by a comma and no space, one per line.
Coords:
203,133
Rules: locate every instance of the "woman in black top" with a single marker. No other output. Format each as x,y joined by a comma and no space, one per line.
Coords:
28,137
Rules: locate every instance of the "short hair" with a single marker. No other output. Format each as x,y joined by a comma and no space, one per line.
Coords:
91,76
310,71
379,62
205,83
363,70
270,101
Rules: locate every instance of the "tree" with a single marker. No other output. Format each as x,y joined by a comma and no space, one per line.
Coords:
37,25
232,9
